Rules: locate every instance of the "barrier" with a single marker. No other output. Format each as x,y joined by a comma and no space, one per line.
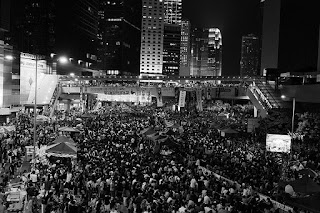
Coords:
276,204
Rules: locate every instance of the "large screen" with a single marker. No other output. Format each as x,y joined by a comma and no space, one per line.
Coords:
278,143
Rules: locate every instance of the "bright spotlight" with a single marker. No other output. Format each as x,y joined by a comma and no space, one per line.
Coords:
283,96
72,75
9,57
63,60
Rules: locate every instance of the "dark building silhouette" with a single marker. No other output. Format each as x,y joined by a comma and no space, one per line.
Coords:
119,36
65,28
171,49
76,25
32,26
290,39
4,17
250,55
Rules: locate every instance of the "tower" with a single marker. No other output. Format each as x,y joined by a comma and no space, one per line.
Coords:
250,55
152,29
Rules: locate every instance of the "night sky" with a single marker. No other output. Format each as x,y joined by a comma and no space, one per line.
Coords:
233,17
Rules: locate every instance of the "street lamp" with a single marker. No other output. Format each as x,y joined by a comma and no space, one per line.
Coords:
293,111
63,60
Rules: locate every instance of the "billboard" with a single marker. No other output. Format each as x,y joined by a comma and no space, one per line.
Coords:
28,72
278,143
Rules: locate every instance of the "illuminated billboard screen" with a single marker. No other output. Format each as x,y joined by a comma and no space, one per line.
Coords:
278,143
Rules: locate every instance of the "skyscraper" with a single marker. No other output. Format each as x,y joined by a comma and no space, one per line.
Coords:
33,26
206,52
172,37
119,36
185,48
173,11
76,27
214,52
67,28
290,35
151,55
4,17
250,55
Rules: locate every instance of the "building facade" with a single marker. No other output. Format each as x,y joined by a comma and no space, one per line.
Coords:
185,49
171,49
206,52
119,37
173,11
290,42
250,55
152,29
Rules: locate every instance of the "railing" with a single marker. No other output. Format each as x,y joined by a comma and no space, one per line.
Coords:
263,87
260,98
55,97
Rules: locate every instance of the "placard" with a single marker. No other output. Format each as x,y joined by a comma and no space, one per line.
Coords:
278,143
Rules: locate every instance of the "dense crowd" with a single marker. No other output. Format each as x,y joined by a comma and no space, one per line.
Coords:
118,169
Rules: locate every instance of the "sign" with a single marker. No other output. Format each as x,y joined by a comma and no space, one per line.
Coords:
278,143
28,73
199,100
252,124
182,98
296,135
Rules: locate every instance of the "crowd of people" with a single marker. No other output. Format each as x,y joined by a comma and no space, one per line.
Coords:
119,169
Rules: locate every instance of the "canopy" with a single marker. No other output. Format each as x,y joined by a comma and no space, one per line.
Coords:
68,129
148,131
62,149
305,185
87,115
42,118
4,129
63,139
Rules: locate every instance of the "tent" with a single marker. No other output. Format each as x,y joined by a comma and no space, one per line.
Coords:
63,139
228,132
87,115
42,118
223,116
305,185
148,131
68,129
62,149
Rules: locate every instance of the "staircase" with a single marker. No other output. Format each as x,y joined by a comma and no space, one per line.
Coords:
272,97
54,99
264,97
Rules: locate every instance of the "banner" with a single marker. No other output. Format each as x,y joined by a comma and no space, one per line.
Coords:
159,99
199,100
182,98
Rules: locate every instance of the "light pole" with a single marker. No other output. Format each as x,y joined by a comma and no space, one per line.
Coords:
293,111
35,114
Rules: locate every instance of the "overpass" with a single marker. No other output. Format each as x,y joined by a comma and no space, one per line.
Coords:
144,88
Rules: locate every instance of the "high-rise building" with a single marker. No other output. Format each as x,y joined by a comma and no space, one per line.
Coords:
171,49
4,17
214,52
250,55
119,36
151,55
172,37
67,28
290,42
185,48
172,11
206,52
76,25
33,26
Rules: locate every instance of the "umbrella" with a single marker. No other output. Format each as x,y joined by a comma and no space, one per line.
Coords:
305,185
308,172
